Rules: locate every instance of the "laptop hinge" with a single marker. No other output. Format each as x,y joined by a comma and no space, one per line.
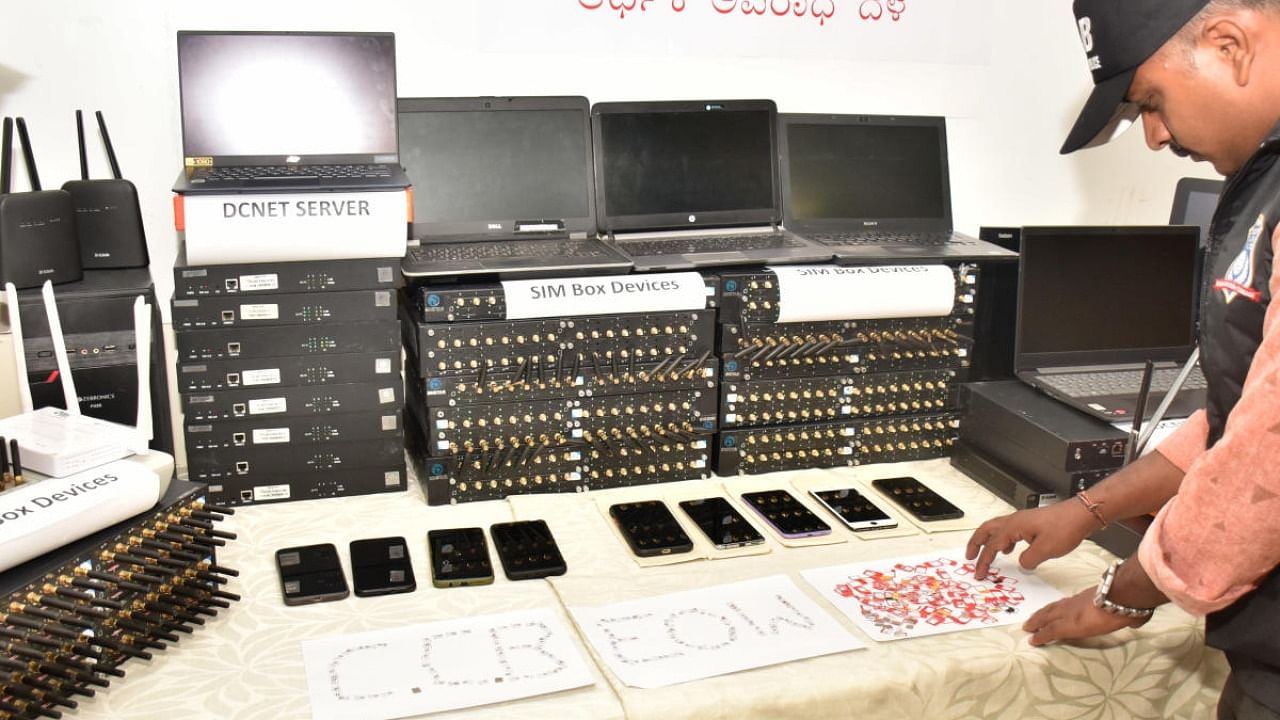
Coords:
611,237
774,225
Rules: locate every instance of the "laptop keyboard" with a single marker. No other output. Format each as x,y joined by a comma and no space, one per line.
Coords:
874,238
252,172
709,243
463,252
1119,382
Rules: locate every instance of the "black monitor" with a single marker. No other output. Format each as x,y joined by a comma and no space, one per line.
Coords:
1194,201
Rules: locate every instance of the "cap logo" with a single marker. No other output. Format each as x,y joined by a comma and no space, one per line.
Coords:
1086,33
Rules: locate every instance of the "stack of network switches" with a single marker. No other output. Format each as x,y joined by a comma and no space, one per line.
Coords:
501,406
823,393
289,375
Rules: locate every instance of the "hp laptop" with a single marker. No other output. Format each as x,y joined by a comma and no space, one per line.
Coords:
873,188
502,185
1194,201
690,184
1095,303
288,111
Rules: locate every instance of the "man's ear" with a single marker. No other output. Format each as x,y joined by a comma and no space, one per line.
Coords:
1230,37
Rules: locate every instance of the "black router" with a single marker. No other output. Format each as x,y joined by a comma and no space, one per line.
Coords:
108,217
37,229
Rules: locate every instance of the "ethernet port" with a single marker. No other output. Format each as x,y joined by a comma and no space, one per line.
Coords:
245,495
238,439
233,378
228,316
238,409
233,348
242,467
232,285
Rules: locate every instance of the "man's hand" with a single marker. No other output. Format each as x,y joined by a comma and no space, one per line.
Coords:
1049,532
1074,618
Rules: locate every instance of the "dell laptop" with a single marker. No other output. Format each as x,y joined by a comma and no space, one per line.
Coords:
690,184
287,112
1096,303
873,188
502,185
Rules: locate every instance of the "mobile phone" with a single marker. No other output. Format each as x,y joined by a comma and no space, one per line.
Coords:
854,510
918,499
721,523
527,549
459,556
650,528
787,515
380,566
311,574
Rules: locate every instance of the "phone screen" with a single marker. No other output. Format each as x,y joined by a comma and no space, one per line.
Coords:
781,510
859,513
650,528
721,523
380,566
459,556
916,498
311,574
527,549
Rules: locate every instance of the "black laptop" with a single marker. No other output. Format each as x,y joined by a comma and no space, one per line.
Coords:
288,112
1194,202
1095,303
873,188
688,184
502,185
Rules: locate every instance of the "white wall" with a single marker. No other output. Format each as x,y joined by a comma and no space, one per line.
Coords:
1009,102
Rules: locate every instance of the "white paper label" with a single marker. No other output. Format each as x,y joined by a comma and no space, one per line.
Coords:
259,282
382,366
260,377
812,293
604,295
389,422
271,492
268,406
260,311
386,395
270,436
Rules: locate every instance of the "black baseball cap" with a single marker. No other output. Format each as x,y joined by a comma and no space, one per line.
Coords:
1118,36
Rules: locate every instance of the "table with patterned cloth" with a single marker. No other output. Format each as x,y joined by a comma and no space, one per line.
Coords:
247,662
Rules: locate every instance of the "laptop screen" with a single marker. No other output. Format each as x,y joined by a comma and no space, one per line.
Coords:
686,164
262,97
1098,295
846,172
1194,201
496,166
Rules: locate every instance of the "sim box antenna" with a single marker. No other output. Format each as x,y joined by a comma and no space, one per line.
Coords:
108,215
38,240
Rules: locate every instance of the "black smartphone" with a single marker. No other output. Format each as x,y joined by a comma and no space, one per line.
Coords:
786,514
918,499
650,528
459,556
527,549
721,523
854,510
380,566
311,574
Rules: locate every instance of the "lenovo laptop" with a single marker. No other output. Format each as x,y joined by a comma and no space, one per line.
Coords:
689,184
1096,303
288,111
502,185
873,188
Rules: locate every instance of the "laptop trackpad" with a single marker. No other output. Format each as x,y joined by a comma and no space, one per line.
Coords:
284,180
711,258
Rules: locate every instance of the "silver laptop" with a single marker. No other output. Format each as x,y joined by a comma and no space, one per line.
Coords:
689,184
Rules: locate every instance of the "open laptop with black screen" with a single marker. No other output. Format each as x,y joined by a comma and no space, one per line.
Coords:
873,188
687,184
502,185
1095,303
288,111
1194,202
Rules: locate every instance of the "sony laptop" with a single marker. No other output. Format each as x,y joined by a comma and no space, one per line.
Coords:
689,184
287,112
873,188
502,185
1194,201
1096,303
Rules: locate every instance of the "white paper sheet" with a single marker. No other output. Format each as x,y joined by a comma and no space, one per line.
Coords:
930,594
446,665
809,293
685,636
567,297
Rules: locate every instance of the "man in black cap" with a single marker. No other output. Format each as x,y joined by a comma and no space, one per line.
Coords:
1204,77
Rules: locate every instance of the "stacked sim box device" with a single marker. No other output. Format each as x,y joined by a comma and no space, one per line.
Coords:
289,376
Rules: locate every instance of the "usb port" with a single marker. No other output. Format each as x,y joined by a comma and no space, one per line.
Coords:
237,409
232,284
242,467
109,348
238,439
233,378
228,316
233,348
